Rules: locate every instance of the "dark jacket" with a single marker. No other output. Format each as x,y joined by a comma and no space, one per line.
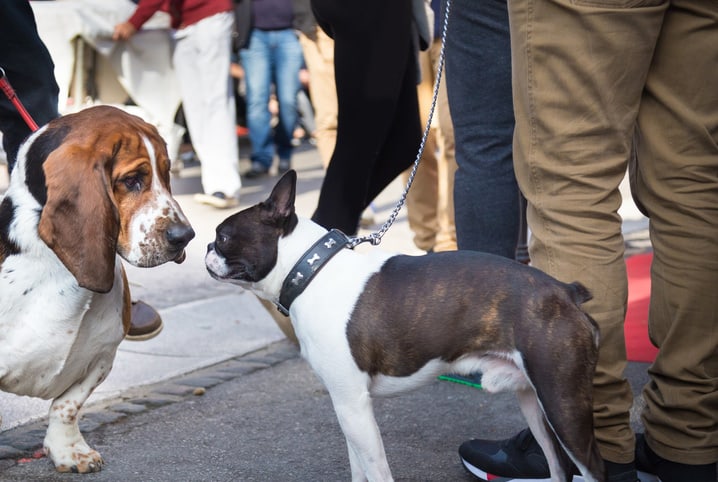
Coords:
242,24
303,21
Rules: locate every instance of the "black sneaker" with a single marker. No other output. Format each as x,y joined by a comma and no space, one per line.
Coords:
519,457
667,471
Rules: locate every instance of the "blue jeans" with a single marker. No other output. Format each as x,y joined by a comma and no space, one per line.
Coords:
272,57
478,79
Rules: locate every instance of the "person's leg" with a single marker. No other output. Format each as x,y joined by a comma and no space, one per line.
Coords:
676,181
478,78
30,70
401,143
478,89
319,57
305,113
422,199
446,162
205,59
576,98
257,63
287,63
373,54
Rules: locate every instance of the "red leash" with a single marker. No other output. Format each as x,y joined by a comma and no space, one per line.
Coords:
12,96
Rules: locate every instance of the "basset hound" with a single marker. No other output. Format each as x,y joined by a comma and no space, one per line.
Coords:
87,189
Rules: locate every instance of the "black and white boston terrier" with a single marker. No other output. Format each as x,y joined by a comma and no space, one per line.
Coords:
376,324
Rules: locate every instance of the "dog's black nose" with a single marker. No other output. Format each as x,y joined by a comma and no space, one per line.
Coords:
179,234
210,246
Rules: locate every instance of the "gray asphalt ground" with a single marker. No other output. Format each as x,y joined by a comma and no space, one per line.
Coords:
266,417
221,394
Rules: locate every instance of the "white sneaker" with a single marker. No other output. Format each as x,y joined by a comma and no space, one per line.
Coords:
217,199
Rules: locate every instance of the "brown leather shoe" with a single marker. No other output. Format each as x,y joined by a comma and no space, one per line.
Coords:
146,323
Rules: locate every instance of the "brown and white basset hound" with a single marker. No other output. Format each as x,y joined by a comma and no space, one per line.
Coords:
86,188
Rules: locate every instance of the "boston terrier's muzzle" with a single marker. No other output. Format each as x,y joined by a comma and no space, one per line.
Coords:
374,323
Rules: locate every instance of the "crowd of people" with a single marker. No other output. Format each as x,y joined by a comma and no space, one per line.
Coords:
551,101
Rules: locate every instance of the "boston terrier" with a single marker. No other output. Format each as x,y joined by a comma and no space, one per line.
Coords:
372,323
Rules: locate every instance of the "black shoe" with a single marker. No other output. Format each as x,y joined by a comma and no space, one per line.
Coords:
521,458
256,171
621,472
650,462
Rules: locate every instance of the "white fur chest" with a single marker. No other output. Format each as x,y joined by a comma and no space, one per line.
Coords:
320,315
51,330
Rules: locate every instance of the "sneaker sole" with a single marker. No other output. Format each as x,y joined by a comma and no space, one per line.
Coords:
642,476
477,472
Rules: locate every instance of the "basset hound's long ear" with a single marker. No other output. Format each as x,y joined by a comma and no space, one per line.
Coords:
80,221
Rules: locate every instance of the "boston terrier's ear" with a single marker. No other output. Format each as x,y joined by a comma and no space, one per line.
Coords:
281,200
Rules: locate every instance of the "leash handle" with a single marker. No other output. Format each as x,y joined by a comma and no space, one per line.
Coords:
375,238
12,97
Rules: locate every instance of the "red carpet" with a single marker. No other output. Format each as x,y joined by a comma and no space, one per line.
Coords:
638,345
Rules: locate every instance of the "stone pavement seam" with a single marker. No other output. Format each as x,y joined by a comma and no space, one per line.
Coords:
26,440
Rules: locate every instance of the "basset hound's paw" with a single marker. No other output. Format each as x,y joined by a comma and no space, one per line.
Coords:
77,459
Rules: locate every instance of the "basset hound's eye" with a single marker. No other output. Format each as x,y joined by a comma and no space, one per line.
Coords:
133,183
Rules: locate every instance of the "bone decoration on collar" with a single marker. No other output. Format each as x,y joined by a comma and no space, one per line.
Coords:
308,266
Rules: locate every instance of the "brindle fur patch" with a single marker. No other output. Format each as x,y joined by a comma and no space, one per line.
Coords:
447,305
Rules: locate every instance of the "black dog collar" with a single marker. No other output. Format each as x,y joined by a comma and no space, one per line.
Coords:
309,265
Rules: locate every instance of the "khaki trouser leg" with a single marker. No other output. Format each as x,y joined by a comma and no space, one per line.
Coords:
676,180
430,201
422,198
319,57
578,76
446,165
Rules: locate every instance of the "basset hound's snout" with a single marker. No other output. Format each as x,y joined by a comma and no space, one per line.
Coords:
178,236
